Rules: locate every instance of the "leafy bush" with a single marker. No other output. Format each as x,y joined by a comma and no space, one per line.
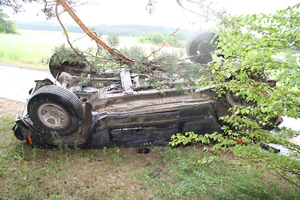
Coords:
257,49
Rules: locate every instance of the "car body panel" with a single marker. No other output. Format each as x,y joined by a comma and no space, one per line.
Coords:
131,119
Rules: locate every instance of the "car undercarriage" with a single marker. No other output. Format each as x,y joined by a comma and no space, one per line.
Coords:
120,112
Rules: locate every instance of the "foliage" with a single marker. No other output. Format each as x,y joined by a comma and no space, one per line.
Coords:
258,48
162,68
64,54
174,41
113,39
6,26
159,38
264,46
187,138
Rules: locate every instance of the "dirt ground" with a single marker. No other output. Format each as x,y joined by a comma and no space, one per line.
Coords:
10,107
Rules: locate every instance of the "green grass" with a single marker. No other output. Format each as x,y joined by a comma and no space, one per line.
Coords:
34,48
121,173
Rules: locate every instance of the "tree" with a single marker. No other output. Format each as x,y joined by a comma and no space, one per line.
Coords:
159,38
264,46
174,41
6,26
113,39
257,49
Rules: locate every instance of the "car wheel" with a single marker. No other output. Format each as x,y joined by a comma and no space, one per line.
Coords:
67,61
200,47
55,109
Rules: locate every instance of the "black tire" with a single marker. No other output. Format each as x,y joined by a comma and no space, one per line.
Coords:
201,40
55,109
66,61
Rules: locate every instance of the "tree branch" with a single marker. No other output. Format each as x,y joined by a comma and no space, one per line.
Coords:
120,56
285,178
64,29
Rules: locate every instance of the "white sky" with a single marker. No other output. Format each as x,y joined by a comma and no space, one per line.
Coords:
167,12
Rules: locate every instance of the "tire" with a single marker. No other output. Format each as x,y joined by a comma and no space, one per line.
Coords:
66,61
201,41
55,109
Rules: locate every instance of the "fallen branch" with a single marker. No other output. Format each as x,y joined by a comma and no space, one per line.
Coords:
285,178
64,29
119,55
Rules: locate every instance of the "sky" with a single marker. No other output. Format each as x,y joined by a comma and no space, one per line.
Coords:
167,12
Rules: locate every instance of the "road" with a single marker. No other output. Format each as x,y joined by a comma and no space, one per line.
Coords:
15,82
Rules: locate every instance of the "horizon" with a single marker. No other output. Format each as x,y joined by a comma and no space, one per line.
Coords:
167,13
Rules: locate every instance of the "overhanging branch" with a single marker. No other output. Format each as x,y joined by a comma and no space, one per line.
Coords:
119,55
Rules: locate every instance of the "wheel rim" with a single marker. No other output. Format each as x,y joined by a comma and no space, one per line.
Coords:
205,51
201,46
53,115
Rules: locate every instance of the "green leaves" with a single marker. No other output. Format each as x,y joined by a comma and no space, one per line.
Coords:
6,26
187,138
264,46
159,38
259,48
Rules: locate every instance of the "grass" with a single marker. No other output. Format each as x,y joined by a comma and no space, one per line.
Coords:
34,48
121,173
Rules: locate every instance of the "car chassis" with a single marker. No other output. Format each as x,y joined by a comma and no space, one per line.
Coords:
86,117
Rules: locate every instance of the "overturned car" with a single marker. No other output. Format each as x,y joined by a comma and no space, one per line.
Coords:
121,112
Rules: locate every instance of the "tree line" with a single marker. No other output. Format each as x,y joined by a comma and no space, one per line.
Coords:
131,30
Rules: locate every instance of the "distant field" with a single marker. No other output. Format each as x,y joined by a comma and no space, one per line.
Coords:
34,48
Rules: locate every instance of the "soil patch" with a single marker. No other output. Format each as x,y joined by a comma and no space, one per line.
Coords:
11,107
